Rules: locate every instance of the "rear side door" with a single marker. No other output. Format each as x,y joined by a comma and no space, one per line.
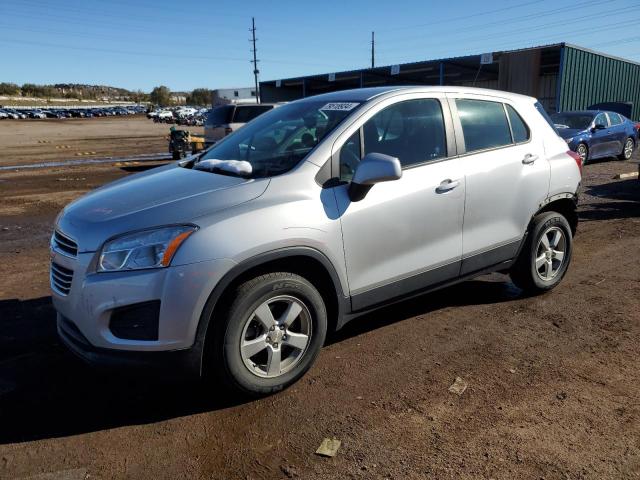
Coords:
618,133
601,139
406,234
507,178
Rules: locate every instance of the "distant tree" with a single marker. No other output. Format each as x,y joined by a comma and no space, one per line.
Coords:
139,96
200,96
9,89
160,96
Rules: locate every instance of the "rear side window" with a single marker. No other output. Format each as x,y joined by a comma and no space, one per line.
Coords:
220,115
413,131
245,114
484,124
614,118
518,127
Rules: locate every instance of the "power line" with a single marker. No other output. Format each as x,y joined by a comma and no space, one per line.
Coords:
458,18
255,59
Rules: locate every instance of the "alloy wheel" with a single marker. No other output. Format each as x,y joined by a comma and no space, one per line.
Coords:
583,152
550,253
276,336
628,148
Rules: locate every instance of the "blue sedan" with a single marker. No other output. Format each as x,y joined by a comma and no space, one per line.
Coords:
597,134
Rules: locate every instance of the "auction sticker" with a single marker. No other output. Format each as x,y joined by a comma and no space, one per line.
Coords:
340,106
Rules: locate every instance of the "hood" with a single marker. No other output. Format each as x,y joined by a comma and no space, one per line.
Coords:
161,196
570,132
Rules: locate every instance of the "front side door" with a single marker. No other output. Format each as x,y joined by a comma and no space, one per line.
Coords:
405,234
507,178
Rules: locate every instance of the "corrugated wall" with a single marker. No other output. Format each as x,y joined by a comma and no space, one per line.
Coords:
588,78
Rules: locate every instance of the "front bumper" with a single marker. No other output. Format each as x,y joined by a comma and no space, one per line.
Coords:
180,363
85,311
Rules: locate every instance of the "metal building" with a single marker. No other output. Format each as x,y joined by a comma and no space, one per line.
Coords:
562,76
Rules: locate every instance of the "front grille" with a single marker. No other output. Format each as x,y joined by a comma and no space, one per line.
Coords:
61,278
64,244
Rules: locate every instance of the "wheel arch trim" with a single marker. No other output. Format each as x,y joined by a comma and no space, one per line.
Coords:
255,262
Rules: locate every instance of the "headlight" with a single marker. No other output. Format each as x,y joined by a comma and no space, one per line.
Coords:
146,249
568,140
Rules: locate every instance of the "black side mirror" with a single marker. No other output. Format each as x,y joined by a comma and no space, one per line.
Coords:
598,126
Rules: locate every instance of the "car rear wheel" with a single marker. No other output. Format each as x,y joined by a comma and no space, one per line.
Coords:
546,254
272,334
627,149
583,151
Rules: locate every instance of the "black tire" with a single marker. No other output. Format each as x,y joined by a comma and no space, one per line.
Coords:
586,150
524,272
176,155
228,363
624,155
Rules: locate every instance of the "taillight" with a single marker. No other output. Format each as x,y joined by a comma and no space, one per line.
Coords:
577,158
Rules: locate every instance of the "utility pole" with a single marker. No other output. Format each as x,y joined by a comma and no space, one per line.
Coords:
255,59
373,49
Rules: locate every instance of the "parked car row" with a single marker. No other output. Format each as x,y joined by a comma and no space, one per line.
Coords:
70,112
180,115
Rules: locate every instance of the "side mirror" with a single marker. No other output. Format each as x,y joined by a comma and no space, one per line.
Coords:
598,126
373,168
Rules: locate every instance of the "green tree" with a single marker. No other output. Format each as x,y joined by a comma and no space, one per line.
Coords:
200,96
160,96
9,89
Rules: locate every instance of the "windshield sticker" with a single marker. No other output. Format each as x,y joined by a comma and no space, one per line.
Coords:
340,106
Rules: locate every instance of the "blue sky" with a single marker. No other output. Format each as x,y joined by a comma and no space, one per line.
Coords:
138,44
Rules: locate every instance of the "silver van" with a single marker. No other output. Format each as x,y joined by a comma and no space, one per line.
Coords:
238,262
225,119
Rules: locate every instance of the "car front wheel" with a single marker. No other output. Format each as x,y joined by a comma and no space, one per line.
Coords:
546,254
273,332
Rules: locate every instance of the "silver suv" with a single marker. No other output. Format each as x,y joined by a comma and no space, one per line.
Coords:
239,262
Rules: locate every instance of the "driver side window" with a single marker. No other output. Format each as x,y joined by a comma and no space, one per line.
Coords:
601,119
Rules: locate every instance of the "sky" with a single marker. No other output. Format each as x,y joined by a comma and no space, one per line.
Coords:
139,44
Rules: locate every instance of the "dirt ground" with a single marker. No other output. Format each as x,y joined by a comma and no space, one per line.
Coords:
34,141
553,380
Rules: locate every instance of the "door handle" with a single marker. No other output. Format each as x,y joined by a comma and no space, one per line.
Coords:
447,185
529,158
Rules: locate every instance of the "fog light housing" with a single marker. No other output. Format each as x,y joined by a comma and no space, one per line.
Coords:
139,321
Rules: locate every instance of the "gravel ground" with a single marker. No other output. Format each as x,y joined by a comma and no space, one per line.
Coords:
552,380
33,141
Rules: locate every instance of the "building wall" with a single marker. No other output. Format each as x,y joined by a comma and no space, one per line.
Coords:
588,78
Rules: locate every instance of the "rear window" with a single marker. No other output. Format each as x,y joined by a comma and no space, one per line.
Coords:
518,127
247,113
484,124
220,115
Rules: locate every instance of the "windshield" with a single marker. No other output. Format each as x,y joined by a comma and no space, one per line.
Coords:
579,121
278,140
